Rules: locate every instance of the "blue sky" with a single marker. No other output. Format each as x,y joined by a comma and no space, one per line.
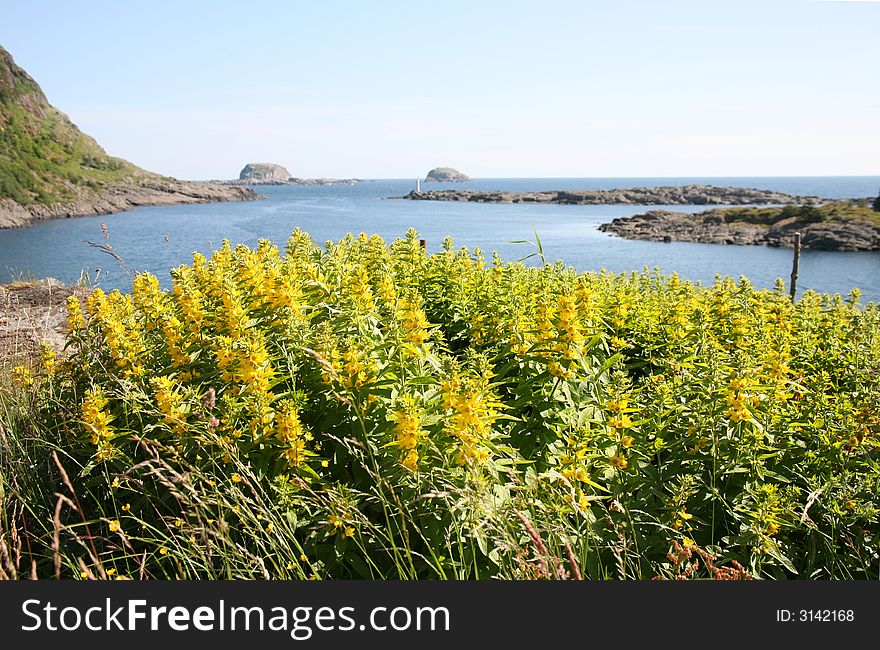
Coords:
195,89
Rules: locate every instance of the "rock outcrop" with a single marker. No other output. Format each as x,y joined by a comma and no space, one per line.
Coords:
264,173
32,313
669,195
446,175
837,226
51,169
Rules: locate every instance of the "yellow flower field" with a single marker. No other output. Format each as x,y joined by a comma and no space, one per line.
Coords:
363,409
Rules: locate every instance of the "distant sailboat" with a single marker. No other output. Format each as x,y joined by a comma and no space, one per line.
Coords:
418,186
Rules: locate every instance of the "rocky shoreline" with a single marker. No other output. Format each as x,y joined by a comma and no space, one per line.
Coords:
666,195
122,198
716,227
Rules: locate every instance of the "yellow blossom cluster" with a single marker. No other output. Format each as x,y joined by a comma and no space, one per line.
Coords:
471,411
622,395
96,420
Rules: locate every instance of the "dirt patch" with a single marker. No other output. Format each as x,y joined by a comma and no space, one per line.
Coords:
32,312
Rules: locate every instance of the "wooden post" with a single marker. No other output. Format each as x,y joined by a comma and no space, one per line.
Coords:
795,263
424,244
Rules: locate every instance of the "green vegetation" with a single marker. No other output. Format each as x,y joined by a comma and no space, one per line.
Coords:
360,410
44,158
845,210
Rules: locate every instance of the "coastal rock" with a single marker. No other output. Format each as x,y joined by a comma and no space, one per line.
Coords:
446,175
34,312
121,198
666,195
831,228
666,226
832,236
323,181
264,173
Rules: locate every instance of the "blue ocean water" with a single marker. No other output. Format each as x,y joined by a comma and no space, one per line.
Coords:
158,238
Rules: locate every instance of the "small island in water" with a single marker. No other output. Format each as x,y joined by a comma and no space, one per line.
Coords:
275,174
446,175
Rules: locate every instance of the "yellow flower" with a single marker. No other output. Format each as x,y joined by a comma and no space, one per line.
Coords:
75,318
96,422
619,461
22,376
115,526
620,422
291,434
408,431
617,342
411,460
49,359
236,478
170,402
739,415
413,321
681,518
617,405
738,384
473,412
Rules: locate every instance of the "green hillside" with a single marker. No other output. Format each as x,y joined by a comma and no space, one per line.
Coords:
44,157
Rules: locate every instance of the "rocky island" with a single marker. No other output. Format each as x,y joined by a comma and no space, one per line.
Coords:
667,195
446,175
263,173
275,174
835,225
50,169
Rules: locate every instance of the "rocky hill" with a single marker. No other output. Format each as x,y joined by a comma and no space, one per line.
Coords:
267,173
838,225
446,175
50,169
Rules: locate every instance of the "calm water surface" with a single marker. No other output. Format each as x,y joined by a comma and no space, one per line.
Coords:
158,238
